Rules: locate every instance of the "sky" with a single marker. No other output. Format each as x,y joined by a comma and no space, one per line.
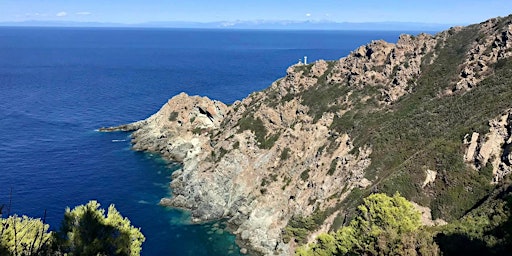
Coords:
457,12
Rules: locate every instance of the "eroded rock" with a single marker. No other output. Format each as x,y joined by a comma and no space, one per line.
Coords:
493,148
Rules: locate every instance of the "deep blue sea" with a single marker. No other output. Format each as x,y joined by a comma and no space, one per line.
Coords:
58,85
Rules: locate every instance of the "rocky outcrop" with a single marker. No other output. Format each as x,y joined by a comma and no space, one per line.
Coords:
430,179
472,145
124,128
179,130
426,216
492,148
392,67
496,45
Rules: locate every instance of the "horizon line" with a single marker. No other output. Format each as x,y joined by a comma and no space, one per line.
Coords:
242,24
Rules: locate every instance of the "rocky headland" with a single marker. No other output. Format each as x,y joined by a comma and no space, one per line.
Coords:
429,116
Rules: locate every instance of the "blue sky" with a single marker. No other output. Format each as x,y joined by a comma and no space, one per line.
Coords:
456,12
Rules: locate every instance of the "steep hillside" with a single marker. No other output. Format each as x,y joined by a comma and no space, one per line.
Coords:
428,117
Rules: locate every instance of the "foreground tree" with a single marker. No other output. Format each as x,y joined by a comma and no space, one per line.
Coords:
86,230
384,226
24,236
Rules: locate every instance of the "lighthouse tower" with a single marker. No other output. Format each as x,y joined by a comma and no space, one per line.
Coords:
305,60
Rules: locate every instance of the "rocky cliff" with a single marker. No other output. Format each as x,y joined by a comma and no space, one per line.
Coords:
428,116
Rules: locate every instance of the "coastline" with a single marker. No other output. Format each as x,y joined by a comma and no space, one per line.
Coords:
284,162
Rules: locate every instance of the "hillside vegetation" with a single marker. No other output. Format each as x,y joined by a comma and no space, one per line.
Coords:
391,226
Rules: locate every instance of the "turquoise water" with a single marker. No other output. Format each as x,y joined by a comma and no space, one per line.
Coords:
58,85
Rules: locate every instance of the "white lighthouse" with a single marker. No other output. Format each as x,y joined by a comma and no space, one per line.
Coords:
305,60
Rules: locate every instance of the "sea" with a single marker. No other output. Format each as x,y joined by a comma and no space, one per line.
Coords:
59,85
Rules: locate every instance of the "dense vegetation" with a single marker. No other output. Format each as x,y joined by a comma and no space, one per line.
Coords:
486,230
391,226
24,236
85,230
384,226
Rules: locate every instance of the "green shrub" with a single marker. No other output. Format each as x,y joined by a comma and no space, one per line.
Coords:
222,152
173,116
236,145
286,181
384,226
199,130
285,154
265,140
86,230
332,167
24,236
304,175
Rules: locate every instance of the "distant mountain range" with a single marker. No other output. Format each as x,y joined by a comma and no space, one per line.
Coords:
257,24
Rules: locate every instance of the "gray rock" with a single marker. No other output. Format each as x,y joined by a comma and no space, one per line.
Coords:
245,235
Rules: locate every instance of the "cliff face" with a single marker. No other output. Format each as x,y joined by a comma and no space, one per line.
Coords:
428,117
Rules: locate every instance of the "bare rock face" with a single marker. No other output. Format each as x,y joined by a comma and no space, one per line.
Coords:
179,129
426,216
493,148
393,67
472,145
484,54
431,177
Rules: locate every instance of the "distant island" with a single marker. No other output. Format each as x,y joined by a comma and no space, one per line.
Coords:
256,24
